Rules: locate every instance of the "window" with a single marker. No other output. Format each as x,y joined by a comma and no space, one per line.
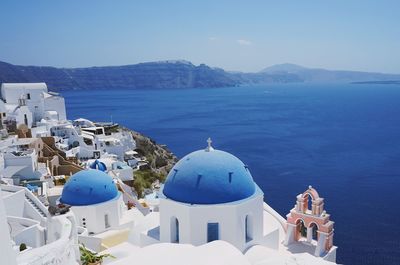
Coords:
212,232
248,228
174,230
106,221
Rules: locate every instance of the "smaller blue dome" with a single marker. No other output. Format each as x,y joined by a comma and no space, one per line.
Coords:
98,165
88,187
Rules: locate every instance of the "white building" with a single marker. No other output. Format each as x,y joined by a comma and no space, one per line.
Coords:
20,165
28,103
117,143
111,165
210,195
3,113
92,141
19,160
16,115
25,220
212,212
99,208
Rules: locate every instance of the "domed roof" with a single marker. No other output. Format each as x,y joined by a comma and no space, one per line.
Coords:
88,187
209,177
98,165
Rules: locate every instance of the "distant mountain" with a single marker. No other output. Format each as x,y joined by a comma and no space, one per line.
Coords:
284,68
389,82
166,74
175,74
328,76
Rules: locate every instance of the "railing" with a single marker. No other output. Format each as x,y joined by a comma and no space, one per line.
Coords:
276,215
138,205
11,188
32,234
62,251
22,220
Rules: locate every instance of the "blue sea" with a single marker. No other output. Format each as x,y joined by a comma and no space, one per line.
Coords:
344,140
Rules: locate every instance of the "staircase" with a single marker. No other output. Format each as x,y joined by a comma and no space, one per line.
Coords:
31,202
128,196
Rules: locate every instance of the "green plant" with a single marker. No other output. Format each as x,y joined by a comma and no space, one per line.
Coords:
143,180
22,247
89,257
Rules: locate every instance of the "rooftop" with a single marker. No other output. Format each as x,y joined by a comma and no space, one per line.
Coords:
209,176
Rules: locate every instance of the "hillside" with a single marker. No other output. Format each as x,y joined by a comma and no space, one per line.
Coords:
328,76
176,74
168,74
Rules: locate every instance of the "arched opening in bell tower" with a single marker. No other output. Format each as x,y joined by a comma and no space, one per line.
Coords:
301,229
314,231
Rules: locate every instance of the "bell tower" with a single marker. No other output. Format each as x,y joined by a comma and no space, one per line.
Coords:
309,223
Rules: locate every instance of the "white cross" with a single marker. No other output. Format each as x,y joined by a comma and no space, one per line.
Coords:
209,147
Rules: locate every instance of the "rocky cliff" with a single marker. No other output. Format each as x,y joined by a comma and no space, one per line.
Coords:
175,74
168,74
160,159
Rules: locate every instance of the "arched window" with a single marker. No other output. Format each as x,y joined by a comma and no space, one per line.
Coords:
174,230
248,226
308,202
314,229
301,229
106,221
212,232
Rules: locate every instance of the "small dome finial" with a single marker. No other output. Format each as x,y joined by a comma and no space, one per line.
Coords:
209,147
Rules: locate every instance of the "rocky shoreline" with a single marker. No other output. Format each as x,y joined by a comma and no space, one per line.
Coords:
160,161
160,158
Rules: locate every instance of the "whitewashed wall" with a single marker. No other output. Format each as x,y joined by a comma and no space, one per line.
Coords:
193,221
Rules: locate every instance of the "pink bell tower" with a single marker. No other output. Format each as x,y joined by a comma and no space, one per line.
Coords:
309,223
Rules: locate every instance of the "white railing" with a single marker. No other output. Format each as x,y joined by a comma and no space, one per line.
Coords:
22,220
276,215
63,250
11,188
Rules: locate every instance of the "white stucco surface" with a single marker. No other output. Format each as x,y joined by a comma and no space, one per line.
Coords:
216,252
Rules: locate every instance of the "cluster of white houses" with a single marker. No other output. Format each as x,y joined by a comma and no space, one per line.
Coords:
65,183
28,103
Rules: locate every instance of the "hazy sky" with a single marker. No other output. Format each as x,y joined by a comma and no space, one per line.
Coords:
235,35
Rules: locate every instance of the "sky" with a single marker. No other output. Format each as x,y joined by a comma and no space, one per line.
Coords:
235,35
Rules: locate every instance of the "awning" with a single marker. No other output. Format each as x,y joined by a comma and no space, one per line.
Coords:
87,136
131,153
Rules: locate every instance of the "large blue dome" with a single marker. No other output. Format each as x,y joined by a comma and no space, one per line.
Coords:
88,187
209,177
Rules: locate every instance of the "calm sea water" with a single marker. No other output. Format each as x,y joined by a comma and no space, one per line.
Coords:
342,139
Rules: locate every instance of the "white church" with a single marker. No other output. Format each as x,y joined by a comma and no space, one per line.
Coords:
211,203
210,195
210,212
